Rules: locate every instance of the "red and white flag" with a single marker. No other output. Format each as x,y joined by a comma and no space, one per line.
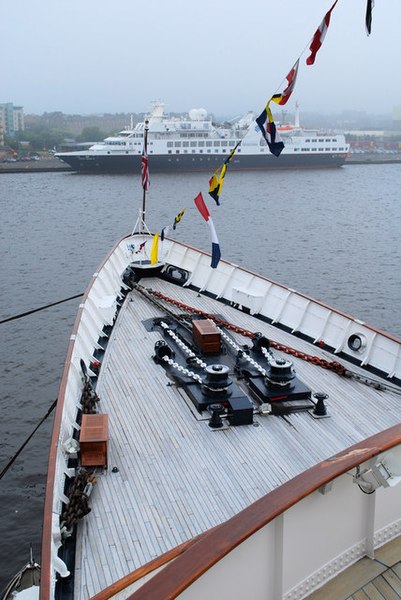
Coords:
319,36
204,211
291,79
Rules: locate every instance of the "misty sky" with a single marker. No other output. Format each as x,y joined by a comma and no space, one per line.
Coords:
228,56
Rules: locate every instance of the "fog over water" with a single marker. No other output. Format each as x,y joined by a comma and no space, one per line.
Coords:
228,56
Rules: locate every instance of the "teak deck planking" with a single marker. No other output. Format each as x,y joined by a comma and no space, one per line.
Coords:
176,477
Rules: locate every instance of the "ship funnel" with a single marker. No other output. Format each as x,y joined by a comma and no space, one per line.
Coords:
157,111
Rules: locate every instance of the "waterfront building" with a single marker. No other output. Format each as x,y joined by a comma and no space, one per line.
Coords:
11,118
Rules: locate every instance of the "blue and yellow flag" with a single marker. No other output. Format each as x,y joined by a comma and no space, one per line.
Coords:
269,132
178,218
217,179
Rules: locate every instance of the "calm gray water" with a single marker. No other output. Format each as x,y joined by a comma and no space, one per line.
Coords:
333,234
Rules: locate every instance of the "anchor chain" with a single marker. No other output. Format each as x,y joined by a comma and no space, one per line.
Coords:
89,399
245,356
182,369
331,365
334,365
183,346
77,506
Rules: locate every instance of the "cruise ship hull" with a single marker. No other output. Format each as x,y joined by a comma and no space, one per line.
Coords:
197,163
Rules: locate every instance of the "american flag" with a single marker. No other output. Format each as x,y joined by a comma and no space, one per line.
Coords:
144,167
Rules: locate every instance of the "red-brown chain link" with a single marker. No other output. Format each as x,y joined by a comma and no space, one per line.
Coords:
321,362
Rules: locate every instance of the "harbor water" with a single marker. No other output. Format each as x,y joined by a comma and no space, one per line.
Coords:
331,234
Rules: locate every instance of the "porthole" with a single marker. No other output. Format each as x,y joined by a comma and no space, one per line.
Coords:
357,342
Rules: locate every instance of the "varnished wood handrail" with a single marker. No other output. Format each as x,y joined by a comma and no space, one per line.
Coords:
149,567
210,549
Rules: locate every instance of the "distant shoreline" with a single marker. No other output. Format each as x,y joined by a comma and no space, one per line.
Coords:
372,159
43,165
48,165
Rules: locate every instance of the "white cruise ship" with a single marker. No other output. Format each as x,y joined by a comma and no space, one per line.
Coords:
195,143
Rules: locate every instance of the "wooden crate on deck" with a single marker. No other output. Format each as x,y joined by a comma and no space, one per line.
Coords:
93,440
206,336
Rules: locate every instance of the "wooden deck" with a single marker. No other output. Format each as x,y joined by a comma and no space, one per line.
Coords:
175,478
378,579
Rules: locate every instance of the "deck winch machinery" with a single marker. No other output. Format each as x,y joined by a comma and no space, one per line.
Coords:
229,381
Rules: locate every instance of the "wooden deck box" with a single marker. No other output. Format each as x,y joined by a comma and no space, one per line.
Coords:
206,336
93,440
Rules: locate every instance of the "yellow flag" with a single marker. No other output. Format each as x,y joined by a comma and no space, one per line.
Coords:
154,251
178,218
217,179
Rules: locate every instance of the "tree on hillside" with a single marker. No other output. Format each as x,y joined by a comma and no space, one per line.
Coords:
91,134
41,137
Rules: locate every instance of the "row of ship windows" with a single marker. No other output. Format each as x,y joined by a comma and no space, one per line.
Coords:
208,144
200,151
193,151
265,148
200,144
319,149
223,143
322,140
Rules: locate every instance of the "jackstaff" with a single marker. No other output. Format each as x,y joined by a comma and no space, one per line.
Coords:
144,173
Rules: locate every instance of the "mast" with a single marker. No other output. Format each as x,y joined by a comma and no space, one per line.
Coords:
144,176
296,115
